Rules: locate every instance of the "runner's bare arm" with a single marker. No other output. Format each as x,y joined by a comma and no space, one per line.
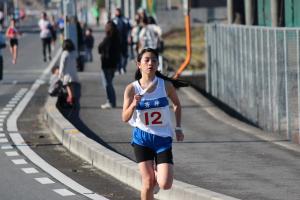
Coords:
177,109
129,103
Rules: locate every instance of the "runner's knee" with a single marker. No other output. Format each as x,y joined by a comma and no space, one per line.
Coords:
149,182
165,184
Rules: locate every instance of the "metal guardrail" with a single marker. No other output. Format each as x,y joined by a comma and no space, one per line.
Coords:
255,71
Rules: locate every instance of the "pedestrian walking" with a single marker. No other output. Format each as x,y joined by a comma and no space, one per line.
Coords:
53,31
80,45
45,35
12,33
68,75
110,52
149,36
89,44
146,108
124,27
96,14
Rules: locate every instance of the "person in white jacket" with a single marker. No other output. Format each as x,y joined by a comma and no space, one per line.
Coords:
68,75
150,35
45,35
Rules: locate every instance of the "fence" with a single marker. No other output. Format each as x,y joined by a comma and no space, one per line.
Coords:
255,71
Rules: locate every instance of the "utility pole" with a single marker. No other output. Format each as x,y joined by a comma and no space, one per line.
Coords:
70,30
229,11
274,12
169,5
249,12
16,9
186,12
108,9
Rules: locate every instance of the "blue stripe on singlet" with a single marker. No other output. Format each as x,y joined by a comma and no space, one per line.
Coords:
153,103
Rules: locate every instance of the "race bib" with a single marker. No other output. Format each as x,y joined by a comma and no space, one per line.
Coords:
153,117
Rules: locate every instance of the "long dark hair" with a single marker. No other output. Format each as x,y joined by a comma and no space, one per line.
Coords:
111,29
68,45
138,75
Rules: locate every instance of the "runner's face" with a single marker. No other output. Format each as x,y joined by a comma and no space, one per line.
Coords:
148,63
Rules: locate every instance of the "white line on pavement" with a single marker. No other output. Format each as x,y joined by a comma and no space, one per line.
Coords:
12,153
3,140
19,162
64,192
44,180
10,105
30,170
7,146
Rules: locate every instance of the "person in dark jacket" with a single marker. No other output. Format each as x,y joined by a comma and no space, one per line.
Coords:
110,52
124,29
89,45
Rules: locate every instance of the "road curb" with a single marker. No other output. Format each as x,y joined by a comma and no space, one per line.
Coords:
113,163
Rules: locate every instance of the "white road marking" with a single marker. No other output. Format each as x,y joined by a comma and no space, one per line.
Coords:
1,124
2,135
2,116
4,113
12,153
64,192
1,129
10,105
44,180
3,140
19,162
30,170
1,120
5,147
22,91
7,109
16,99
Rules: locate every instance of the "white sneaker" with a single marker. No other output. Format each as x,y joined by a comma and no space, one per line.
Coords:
106,106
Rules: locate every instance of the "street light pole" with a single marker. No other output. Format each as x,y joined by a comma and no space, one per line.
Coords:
70,30
186,10
108,9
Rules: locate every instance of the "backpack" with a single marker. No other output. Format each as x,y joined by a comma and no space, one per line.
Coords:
149,38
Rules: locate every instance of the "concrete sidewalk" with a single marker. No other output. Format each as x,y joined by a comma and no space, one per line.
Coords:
219,154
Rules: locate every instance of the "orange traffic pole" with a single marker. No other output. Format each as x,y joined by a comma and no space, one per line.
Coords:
188,47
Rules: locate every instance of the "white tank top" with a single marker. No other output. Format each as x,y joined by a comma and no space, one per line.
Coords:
152,114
